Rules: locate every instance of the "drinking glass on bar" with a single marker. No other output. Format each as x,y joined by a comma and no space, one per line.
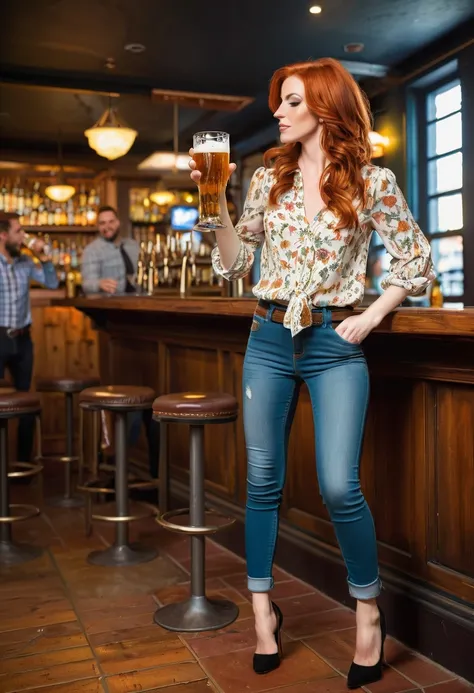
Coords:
211,154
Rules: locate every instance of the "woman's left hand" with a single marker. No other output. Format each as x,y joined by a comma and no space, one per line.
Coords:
356,328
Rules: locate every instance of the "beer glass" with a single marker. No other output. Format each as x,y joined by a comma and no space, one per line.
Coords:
211,154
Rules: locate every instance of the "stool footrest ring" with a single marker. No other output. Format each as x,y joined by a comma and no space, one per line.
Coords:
24,469
56,458
31,511
127,518
88,486
164,521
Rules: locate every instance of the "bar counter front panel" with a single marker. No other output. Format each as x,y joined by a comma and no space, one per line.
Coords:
418,457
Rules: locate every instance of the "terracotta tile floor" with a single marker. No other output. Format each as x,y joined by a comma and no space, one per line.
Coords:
68,627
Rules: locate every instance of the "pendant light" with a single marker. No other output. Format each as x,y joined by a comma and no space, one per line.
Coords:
111,137
166,160
60,191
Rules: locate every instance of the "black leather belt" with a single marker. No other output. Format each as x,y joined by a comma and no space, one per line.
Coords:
14,332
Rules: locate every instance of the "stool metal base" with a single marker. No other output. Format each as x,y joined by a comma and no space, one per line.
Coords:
14,554
132,554
64,502
197,614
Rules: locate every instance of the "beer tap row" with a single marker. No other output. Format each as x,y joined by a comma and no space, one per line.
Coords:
176,265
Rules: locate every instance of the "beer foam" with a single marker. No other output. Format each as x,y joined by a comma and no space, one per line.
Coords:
212,146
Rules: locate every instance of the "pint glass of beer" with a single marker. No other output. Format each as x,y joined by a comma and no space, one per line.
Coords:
211,154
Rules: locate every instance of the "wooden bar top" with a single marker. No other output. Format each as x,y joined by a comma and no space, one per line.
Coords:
427,321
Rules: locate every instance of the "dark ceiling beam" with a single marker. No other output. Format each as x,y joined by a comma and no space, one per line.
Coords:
95,83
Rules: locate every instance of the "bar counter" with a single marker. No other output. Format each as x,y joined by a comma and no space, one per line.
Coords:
417,464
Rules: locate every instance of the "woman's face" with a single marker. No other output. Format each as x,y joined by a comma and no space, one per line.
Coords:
297,123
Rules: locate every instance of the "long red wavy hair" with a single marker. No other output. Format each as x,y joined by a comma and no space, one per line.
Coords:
333,96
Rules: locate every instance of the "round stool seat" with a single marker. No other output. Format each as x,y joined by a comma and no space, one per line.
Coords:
65,384
194,407
117,398
15,403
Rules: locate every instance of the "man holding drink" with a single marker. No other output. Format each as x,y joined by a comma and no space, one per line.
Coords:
16,347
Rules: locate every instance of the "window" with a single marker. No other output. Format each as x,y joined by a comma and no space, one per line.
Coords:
444,184
435,179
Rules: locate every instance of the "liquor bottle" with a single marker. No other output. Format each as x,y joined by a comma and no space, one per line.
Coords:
36,200
436,295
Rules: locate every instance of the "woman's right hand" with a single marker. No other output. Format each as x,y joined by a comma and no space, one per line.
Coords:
196,175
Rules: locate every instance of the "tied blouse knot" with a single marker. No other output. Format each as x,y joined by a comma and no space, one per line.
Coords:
311,264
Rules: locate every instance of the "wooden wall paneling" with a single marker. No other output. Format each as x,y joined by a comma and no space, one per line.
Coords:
453,507
64,345
393,463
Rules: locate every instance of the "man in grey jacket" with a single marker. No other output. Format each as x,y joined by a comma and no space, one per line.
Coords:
109,263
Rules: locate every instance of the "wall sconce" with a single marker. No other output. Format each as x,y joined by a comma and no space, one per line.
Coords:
379,143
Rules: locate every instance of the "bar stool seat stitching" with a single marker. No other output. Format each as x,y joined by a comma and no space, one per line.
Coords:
198,613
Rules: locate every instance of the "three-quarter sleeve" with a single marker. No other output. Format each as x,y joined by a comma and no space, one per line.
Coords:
411,267
249,229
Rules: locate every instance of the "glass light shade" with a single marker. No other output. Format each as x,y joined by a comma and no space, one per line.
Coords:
165,161
378,142
110,137
162,197
60,192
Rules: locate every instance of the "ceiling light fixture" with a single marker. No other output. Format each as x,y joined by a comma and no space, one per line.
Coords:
135,47
354,47
110,137
166,160
60,191
315,9
161,196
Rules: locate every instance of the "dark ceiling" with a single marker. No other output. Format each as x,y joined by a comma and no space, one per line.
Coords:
216,46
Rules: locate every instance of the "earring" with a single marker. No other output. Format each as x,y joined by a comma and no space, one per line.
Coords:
321,120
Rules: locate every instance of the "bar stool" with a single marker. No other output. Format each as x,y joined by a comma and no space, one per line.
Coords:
196,409
13,404
120,400
70,387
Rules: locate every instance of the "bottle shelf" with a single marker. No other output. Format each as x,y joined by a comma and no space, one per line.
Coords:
60,229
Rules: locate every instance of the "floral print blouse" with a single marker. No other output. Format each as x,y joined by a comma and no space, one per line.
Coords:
306,263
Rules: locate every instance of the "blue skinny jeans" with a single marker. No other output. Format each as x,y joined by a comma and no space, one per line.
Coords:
336,375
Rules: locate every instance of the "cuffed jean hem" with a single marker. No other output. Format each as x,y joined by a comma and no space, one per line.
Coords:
364,592
259,584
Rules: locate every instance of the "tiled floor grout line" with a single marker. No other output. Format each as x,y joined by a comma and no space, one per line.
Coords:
102,678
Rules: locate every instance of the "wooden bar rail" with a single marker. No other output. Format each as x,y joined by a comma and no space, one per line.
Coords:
418,457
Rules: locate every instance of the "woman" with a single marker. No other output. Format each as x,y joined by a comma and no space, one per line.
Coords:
313,209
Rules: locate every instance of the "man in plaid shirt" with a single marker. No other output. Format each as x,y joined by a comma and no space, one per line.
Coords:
16,347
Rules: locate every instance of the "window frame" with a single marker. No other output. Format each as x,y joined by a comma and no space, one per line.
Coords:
420,181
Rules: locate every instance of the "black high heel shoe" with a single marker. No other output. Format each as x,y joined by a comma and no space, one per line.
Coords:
360,675
263,663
